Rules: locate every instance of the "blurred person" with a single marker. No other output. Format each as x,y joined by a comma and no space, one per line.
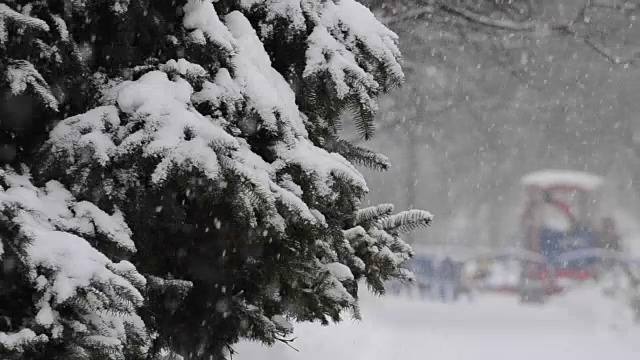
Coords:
609,237
534,281
426,277
447,280
466,282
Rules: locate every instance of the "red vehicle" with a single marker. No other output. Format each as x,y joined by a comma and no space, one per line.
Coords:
564,214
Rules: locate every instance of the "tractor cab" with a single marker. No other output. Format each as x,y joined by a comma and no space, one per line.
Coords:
563,214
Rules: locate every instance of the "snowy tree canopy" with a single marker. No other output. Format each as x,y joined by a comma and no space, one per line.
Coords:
196,142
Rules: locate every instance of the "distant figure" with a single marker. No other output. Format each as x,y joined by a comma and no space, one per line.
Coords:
426,277
448,279
609,238
482,272
635,305
466,281
422,269
533,283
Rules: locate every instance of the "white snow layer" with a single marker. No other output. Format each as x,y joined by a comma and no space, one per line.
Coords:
546,178
346,41
55,205
579,326
60,262
340,271
201,17
281,322
265,87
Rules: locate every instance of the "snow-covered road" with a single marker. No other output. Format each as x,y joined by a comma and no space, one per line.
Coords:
580,326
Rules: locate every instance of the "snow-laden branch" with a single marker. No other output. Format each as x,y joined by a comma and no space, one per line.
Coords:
505,24
411,14
608,54
527,25
7,14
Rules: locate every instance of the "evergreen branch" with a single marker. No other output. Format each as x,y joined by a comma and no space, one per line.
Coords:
373,212
287,342
432,113
348,178
362,156
406,221
363,121
22,74
354,232
7,13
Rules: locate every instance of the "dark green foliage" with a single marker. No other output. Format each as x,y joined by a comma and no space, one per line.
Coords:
51,68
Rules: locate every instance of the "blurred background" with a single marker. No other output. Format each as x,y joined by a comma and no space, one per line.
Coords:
483,105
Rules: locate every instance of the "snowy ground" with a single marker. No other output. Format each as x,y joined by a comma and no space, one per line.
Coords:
582,325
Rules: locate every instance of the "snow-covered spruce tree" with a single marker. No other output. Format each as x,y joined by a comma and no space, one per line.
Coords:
60,298
212,128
